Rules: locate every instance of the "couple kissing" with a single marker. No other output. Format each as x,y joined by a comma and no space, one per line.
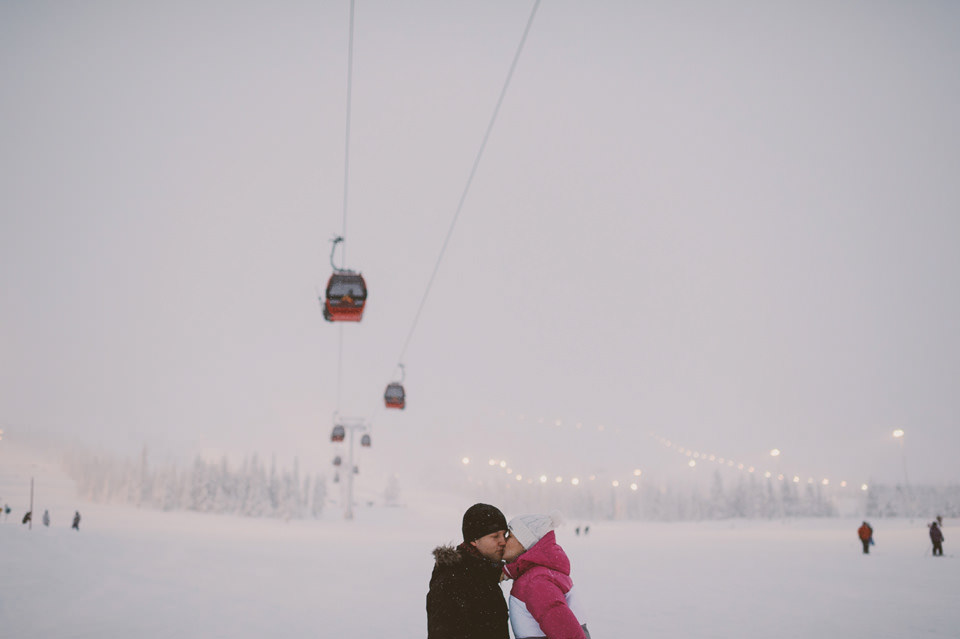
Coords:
465,600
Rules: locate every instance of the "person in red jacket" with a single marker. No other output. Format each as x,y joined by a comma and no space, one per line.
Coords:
865,532
543,601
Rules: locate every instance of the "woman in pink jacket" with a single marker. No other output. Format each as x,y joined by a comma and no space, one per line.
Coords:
543,601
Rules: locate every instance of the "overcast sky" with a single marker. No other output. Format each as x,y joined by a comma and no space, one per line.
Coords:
731,224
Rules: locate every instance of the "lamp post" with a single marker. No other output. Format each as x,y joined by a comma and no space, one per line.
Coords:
899,435
615,498
775,453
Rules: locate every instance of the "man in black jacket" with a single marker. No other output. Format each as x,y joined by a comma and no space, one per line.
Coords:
465,600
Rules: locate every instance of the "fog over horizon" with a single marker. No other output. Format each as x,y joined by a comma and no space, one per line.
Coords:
734,227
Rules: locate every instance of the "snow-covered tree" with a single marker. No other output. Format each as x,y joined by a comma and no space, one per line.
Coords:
391,494
319,495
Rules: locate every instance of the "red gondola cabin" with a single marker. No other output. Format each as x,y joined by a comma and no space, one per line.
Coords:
346,296
394,397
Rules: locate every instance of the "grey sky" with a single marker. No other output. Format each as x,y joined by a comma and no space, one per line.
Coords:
732,224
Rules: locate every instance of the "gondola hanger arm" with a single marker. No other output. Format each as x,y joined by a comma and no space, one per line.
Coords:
336,240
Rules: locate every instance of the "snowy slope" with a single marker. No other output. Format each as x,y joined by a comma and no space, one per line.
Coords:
149,574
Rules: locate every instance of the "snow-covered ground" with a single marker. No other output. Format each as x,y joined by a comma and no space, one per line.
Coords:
136,573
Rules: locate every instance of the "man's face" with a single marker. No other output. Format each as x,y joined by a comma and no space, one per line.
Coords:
513,549
491,546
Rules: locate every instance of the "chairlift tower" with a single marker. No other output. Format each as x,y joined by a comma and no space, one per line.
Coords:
350,427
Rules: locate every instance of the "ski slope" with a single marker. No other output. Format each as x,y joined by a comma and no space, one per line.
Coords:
145,574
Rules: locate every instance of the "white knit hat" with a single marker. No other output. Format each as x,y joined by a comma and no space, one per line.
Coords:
529,529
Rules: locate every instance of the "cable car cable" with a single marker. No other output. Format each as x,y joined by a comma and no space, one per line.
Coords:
346,190
340,369
473,171
346,152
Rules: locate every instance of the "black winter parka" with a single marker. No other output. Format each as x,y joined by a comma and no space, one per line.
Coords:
465,600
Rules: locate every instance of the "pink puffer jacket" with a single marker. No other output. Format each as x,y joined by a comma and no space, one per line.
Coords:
543,602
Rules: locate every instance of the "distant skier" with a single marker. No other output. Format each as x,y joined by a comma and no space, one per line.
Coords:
27,517
6,511
46,518
76,521
865,532
936,536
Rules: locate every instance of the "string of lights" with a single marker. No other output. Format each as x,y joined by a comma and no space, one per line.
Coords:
569,480
695,457
630,478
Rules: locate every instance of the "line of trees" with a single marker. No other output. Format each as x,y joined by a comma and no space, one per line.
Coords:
252,490
750,497
913,501
255,490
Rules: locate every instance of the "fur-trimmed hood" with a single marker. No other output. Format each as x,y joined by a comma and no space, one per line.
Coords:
447,555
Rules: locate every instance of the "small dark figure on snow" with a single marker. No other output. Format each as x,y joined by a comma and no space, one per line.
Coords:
6,511
27,517
577,529
936,536
586,530
46,518
76,521
865,532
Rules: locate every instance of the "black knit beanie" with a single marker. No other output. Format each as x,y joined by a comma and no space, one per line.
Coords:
481,520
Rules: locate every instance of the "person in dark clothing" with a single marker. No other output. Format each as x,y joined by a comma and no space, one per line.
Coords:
936,536
76,521
865,532
465,600
28,517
